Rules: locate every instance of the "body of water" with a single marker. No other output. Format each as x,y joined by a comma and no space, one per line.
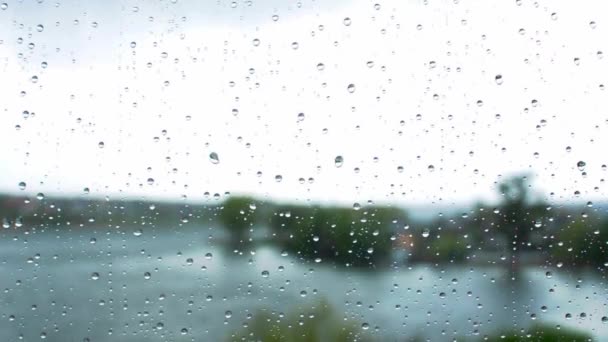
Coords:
183,284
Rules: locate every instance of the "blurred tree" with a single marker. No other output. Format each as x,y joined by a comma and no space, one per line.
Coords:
238,214
520,213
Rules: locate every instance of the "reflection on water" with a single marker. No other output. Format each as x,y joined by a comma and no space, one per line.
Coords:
196,289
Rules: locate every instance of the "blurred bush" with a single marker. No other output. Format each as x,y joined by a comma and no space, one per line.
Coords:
341,235
315,323
542,333
582,244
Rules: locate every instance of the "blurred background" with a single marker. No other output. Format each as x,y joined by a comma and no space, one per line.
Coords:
303,170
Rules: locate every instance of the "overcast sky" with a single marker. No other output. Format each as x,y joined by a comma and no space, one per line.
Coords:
163,85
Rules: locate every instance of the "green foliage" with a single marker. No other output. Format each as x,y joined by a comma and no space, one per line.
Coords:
316,323
582,244
343,235
542,333
449,247
237,215
518,209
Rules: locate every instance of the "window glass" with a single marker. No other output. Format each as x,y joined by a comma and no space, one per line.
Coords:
420,170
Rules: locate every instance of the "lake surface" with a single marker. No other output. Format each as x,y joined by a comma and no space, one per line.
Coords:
78,283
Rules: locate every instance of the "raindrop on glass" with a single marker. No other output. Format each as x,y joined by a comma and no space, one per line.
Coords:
339,161
214,158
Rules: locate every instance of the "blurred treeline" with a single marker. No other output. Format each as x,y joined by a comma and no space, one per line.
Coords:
520,229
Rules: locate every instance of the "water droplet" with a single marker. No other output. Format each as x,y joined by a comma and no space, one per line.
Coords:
40,196
189,261
138,232
214,158
356,206
147,275
256,42
94,275
265,274
150,181
228,314
184,331
365,326
581,165
498,79
431,168
554,16
377,7
278,178
426,232
275,17
22,185
39,28
339,161
320,66
592,24
101,144
346,21
351,88
303,293
301,117
3,6
295,45
605,319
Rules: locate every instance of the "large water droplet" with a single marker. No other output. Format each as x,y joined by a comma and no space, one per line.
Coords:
339,161
581,165
39,28
214,158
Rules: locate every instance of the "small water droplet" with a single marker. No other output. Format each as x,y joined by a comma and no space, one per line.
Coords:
94,275
301,117
498,79
265,274
3,6
22,185
147,275
351,88
426,232
278,178
346,21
